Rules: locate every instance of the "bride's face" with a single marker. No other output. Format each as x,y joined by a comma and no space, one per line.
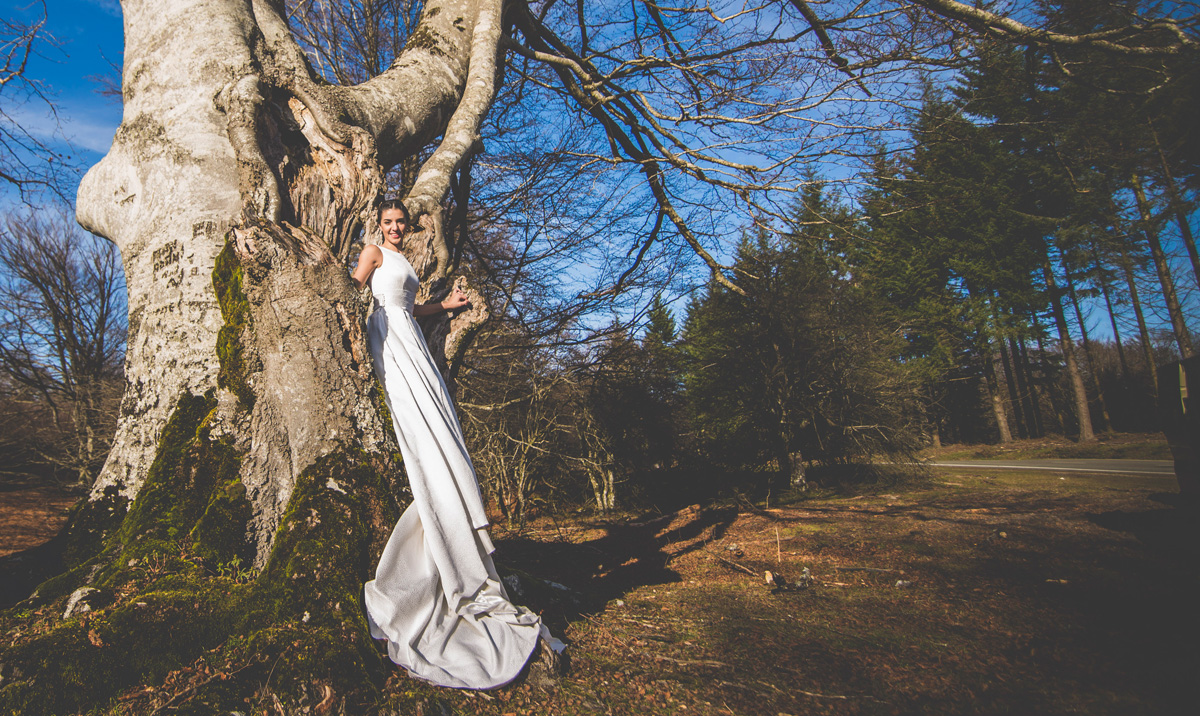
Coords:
392,224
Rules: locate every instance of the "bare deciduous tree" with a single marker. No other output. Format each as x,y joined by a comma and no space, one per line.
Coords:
28,161
62,335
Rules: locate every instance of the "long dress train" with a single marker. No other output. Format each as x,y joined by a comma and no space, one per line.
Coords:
436,597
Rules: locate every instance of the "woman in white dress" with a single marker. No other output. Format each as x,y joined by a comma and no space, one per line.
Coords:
436,597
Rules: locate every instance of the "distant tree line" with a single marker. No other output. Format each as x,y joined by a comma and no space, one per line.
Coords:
1041,186
1018,271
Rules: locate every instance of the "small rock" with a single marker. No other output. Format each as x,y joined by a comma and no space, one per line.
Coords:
997,535
903,584
513,582
779,583
77,603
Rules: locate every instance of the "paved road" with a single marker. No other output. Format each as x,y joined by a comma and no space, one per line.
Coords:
1157,468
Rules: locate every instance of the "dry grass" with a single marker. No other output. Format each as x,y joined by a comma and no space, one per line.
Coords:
1115,446
1019,594
29,517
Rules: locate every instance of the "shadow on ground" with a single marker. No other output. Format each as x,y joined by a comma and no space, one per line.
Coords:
596,570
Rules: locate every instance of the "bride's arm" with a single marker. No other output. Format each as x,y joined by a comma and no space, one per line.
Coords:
369,260
457,299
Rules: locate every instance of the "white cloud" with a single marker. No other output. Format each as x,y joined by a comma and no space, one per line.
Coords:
84,127
112,7
92,135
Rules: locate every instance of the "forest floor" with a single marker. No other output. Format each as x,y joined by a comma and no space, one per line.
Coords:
978,592
31,513
958,592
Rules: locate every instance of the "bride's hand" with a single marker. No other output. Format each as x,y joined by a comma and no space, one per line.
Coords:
456,300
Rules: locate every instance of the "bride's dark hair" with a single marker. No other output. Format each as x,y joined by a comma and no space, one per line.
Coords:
393,204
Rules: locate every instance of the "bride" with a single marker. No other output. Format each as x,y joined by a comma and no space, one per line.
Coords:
436,597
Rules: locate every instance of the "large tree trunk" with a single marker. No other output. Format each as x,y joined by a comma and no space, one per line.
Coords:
251,432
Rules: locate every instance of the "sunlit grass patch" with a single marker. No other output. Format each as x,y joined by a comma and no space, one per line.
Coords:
995,594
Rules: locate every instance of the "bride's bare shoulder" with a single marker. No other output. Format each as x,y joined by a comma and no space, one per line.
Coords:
371,256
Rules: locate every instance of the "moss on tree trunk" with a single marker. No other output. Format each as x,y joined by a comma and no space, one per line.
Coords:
175,616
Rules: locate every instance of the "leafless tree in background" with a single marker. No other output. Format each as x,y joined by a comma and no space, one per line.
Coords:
62,340
27,161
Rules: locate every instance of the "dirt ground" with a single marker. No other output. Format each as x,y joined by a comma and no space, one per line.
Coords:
976,593
954,593
30,516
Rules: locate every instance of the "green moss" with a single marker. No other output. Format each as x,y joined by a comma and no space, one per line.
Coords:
178,484
67,582
380,402
105,539
324,546
86,660
236,362
297,632
220,534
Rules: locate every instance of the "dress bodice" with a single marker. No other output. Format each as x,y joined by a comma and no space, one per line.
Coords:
394,282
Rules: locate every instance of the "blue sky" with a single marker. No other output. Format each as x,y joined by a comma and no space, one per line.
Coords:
87,41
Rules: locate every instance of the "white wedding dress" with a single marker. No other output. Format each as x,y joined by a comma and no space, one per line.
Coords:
436,598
